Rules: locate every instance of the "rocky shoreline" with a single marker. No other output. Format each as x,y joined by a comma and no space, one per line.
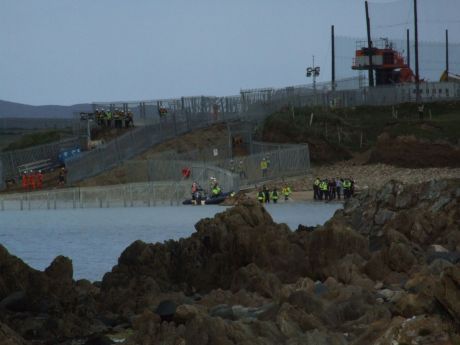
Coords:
384,270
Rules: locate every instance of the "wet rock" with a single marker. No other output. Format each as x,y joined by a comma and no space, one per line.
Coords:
10,337
99,340
252,278
452,257
17,301
61,268
421,329
186,312
383,216
447,292
400,257
437,266
166,310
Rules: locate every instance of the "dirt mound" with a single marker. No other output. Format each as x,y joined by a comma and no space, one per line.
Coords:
321,151
410,152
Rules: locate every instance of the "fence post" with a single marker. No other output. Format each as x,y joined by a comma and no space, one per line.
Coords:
28,202
3,205
107,200
154,194
55,201
176,192
149,195
131,195
21,203
124,197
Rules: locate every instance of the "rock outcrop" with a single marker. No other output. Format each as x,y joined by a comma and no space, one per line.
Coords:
384,270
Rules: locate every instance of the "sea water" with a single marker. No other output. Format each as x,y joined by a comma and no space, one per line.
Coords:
95,238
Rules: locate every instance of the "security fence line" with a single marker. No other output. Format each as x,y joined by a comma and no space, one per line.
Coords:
190,113
146,194
282,161
12,160
255,104
169,186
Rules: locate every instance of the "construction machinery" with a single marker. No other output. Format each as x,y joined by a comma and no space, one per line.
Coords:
448,76
389,65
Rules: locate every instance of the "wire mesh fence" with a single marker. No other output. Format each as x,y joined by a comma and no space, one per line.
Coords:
146,194
165,183
12,160
190,113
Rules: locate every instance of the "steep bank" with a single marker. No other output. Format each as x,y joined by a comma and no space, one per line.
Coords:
338,134
382,271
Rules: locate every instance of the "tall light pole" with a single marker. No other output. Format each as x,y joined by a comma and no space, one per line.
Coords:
417,75
313,72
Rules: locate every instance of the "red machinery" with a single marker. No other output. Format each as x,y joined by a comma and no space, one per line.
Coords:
388,64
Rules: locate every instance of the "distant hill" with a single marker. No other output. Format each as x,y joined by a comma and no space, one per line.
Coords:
11,109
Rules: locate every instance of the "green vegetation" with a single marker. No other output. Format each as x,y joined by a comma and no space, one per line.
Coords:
33,139
357,129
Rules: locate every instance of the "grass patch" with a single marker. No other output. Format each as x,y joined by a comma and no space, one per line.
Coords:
34,139
357,128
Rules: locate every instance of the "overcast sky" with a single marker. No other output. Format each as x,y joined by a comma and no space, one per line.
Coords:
73,51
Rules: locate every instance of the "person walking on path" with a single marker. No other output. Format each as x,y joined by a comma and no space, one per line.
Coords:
264,167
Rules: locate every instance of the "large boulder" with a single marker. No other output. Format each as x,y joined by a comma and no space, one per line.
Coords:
447,292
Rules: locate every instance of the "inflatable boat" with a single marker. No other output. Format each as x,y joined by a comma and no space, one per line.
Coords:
207,200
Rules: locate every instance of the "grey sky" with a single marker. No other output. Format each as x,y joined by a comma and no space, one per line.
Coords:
71,51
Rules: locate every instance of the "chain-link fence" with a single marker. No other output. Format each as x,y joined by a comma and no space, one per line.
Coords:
170,182
281,161
7,123
144,194
190,113
12,160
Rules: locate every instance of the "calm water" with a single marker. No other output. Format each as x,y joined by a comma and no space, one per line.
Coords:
94,238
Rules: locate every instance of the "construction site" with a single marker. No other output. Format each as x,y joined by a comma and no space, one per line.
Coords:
377,100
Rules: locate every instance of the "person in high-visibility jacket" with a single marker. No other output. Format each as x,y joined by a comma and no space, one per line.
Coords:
286,192
274,195
216,191
346,188
264,167
261,196
323,190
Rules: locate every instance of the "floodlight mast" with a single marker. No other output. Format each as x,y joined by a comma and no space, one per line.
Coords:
313,72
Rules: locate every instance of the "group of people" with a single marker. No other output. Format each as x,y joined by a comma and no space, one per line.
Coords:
198,193
333,188
238,168
115,118
31,180
265,195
